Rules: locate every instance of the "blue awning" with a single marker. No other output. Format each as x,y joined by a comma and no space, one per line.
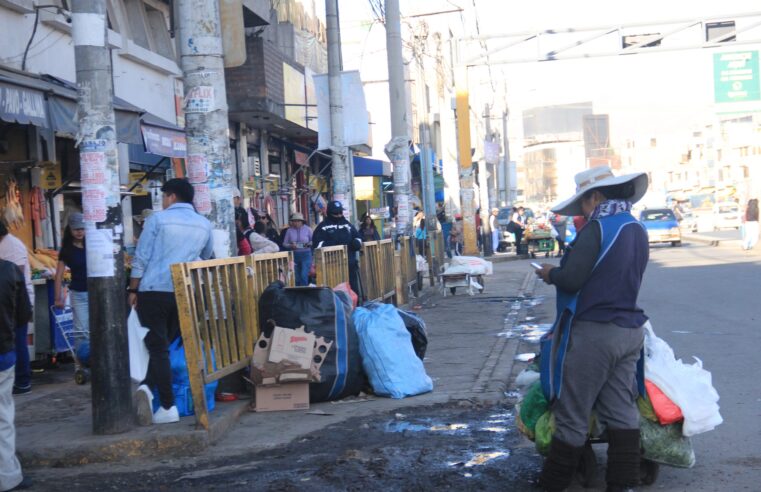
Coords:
365,166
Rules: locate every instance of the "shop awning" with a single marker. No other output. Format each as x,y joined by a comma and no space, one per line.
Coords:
49,102
162,137
365,166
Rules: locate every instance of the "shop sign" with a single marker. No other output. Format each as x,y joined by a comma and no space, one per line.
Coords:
161,141
22,105
51,177
138,190
380,213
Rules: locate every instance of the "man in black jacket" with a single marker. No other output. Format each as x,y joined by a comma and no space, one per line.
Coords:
335,230
15,310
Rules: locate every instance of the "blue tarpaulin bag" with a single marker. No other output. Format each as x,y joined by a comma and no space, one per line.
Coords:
387,354
181,382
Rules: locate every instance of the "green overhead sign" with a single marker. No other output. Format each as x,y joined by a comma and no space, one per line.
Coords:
735,77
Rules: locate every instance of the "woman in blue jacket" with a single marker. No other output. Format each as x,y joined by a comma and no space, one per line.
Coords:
590,358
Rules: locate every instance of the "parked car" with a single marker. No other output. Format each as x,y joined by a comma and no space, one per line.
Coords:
726,215
661,225
689,222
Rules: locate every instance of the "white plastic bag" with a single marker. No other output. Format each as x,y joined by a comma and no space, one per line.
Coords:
688,385
474,264
421,263
138,352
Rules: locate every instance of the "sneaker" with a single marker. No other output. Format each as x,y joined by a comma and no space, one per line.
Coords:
17,390
143,405
25,483
164,416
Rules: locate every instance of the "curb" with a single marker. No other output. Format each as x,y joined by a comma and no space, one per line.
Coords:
155,442
696,238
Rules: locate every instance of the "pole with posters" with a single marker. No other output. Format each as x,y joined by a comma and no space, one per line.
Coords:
209,165
342,182
467,179
99,163
397,149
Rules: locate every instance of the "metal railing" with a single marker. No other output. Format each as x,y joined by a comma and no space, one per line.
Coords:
331,265
217,321
407,267
218,311
376,267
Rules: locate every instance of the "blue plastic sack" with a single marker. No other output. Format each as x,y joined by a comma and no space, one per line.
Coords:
181,382
387,354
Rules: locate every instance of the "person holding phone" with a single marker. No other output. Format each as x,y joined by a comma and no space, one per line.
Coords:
298,238
589,360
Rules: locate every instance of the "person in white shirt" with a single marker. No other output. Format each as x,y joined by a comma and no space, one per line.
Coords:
13,250
494,228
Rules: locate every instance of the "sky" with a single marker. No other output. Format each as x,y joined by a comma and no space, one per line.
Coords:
646,95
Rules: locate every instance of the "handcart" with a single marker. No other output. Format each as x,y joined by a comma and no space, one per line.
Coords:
539,241
453,280
63,322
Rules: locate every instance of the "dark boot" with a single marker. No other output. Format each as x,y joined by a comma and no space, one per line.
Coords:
623,459
560,466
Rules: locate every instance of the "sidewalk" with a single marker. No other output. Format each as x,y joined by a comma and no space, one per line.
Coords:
466,359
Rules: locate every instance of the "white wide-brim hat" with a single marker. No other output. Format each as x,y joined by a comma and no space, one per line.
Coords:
599,177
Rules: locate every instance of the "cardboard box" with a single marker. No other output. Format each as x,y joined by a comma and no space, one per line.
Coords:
289,396
294,346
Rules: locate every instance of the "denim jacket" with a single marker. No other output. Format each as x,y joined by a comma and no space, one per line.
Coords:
175,235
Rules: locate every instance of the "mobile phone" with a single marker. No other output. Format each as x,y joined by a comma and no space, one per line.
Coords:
536,265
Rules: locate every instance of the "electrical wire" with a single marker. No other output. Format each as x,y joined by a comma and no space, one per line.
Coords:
31,38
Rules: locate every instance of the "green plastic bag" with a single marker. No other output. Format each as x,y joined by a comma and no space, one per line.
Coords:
646,409
533,406
665,444
545,428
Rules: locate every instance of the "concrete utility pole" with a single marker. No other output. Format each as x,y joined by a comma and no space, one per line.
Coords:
342,185
99,163
506,157
483,188
209,167
397,149
467,193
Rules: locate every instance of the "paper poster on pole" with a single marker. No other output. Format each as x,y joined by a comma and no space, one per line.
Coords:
200,99
197,168
92,161
100,252
202,198
221,240
402,210
94,205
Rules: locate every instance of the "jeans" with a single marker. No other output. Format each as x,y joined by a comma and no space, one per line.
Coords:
494,240
10,469
302,263
81,308
158,312
23,368
518,246
354,280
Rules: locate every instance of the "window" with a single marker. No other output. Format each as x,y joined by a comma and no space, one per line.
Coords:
148,26
646,40
719,32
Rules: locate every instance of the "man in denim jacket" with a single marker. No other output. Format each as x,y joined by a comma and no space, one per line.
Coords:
177,234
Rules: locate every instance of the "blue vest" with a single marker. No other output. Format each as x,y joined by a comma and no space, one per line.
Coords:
554,344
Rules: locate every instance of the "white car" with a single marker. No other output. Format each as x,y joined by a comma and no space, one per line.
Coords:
726,215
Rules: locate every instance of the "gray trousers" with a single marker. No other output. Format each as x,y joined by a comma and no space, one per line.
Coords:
600,373
10,469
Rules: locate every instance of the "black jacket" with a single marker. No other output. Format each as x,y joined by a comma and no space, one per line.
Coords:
15,309
337,232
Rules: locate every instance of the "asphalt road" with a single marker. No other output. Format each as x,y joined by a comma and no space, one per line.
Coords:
704,301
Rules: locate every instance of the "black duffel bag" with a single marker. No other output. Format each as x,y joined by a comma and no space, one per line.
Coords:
321,312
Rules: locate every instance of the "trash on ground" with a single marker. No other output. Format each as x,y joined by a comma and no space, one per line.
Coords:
527,357
526,377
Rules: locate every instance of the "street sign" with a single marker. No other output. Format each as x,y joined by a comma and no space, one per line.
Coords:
51,176
139,190
735,77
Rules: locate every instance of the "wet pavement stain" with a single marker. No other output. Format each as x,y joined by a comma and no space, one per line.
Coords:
433,448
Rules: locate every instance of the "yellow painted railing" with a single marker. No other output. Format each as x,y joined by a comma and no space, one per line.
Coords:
217,306
376,267
332,265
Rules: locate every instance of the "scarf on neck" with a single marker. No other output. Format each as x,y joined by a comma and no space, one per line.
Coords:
610,207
